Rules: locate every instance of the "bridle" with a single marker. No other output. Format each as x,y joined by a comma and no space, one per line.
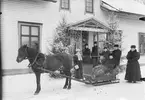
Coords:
35,59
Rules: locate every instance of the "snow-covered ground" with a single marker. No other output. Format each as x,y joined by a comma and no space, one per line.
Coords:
22,87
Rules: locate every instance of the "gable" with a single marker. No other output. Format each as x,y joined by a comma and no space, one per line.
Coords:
90,24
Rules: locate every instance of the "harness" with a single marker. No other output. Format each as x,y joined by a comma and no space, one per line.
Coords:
37,63
35,59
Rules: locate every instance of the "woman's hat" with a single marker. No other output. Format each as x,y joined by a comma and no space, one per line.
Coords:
133,46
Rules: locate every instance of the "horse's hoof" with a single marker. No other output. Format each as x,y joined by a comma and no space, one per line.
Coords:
64,87
69,88
36,93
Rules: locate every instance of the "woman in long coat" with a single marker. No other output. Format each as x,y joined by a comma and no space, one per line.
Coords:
133,72
78,64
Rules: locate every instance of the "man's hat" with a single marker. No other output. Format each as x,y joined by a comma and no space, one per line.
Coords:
86,44
116,45
133,46
95,42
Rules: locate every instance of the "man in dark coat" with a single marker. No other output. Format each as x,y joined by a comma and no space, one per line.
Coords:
86,54
116,55
94,54
133,73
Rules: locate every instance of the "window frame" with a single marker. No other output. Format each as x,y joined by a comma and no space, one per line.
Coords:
63,8
139,33
86,11
30,36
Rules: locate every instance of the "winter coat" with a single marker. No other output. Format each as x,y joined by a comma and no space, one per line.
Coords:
86,55
116,56
79,71
133,68
94,51
86,52
105,54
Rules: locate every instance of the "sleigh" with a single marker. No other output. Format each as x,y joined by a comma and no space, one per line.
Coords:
101,75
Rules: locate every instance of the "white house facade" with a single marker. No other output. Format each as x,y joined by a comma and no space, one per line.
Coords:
26,21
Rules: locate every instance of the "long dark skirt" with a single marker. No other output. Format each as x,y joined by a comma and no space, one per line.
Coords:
133,72
79,72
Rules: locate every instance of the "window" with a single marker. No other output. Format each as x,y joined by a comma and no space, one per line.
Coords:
65,4
89,6
29,34
142,43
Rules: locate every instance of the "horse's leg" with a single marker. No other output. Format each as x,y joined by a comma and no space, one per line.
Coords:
66,83
69,80
38,82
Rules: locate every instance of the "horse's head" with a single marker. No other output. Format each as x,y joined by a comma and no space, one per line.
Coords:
22,53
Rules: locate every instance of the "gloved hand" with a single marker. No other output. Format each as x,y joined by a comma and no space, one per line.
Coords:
111,57
76,67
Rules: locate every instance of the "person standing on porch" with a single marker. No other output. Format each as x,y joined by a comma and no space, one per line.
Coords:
86,54
94,54
78,64
133,72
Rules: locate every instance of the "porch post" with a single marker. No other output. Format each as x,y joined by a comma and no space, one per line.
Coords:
98,46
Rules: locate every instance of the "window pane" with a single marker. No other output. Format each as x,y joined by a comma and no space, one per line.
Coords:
34,42
89,5
25,30
25,40
34,30
89,9
65,4
102,37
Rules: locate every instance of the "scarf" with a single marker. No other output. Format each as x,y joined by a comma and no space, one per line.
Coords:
79,56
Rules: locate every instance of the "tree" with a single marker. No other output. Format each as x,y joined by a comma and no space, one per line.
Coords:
61,42
115,35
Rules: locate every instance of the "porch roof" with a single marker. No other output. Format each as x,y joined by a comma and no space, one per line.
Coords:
90,24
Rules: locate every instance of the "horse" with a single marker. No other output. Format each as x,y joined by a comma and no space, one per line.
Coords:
53,62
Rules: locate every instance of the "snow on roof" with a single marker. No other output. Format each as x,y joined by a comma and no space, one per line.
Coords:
130,6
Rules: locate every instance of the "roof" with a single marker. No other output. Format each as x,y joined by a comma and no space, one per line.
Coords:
126,6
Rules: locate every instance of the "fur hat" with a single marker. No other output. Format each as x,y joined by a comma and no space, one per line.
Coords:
105,47
86,44
133,46
116,45
95,42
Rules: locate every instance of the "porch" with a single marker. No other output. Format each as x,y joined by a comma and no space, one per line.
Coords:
87,32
